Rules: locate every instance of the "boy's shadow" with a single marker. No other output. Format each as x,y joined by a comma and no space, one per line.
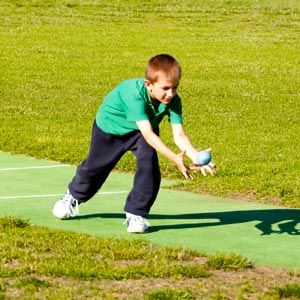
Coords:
288,220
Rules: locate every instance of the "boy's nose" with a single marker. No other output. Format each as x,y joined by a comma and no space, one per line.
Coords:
170,93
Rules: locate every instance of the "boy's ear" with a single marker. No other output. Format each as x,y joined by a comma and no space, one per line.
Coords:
148,84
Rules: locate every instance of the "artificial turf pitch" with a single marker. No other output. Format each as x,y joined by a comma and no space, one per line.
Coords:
267,235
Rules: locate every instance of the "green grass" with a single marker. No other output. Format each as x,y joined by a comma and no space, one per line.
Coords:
43,263
228,262
240,85
240,90
86,257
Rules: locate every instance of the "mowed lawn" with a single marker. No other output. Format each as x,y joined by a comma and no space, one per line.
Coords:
240,85
240,90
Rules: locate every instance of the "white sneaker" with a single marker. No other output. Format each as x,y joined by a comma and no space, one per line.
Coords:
136,224
66,207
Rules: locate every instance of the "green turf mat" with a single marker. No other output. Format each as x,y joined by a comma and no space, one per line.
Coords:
268,235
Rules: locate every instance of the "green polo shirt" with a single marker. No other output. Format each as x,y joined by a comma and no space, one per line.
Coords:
130,102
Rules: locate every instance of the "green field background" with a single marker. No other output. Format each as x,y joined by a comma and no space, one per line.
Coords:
240,85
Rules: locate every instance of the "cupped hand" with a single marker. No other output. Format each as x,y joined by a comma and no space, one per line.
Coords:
209,168
182,166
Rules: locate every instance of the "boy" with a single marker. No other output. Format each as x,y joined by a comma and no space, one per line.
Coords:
128,119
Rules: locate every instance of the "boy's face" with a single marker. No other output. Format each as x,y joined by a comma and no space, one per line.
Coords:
163,90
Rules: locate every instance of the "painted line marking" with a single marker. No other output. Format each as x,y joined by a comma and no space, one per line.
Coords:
37,167
56,195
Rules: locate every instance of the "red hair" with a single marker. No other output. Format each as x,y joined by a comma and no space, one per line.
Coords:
163,65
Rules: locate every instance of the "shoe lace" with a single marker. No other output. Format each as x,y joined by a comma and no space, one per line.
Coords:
137,219
72,205
74,208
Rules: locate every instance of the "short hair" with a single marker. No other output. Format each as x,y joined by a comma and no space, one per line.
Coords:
163,65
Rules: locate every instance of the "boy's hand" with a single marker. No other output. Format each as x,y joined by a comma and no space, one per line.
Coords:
183,167
210,167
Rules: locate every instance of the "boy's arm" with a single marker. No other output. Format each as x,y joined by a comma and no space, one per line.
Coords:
154,141
182,141
184,144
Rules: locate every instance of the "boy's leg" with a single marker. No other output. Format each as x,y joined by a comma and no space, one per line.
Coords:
105,151
146,180
103,155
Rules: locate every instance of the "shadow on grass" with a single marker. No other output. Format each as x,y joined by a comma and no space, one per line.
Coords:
287,220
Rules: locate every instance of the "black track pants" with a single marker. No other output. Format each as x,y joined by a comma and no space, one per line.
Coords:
105,152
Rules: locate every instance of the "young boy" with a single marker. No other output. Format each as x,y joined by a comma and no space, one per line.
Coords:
128,119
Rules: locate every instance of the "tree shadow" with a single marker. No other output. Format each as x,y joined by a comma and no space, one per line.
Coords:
287,220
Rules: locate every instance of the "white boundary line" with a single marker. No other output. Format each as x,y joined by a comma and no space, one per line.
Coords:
37,167
56,195
46,195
